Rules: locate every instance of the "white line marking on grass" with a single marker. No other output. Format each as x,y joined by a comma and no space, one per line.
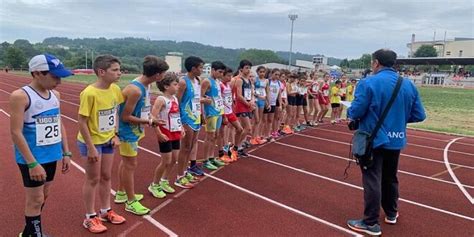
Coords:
360,188
285,206
453,176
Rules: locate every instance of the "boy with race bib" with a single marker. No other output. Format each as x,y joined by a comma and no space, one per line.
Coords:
38,135
97,139
213,111
166,108
189,99
134,115
228,118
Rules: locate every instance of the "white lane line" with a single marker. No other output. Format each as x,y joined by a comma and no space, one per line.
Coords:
425,138
347,159
402,154
408,201
285,206
266,199
453,176
360,188
147,217
409,144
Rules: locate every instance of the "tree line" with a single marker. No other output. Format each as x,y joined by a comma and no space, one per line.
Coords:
78,53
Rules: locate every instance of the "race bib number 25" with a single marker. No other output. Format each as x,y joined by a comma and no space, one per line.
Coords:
48,130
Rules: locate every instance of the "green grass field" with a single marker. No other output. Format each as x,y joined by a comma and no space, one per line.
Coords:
448,109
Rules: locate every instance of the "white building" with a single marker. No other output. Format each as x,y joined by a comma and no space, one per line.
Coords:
174,60
206,71
458,47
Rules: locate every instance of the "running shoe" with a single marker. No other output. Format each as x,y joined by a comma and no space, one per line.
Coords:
112,217
234,155
94,225
261,141
136,208
156,190
217,163
243,154
183,183
226,159
208,165
287,130
191,178
121,197
165,186
360,226
391,220
196,170
254,141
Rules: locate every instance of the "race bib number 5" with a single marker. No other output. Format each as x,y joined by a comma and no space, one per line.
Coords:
48,130
107,119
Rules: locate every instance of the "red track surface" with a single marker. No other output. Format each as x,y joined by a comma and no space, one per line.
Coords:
293,187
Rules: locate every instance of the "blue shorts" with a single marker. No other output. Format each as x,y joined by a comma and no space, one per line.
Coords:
260,103
105,148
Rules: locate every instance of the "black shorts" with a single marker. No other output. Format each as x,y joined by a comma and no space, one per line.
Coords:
244,114
166,147
50,169
301,100
335,105
269,111
311,97
292,100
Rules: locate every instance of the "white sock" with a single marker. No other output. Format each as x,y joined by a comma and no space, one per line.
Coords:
88,216
104,211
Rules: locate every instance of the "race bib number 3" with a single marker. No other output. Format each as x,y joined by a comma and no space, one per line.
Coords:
48,130
107,120
175,122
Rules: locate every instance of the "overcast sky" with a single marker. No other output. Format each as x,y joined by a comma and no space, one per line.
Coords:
338,28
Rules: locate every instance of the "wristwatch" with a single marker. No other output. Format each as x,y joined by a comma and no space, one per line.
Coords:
68,154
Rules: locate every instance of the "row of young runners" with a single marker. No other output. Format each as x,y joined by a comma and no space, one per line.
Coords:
237,109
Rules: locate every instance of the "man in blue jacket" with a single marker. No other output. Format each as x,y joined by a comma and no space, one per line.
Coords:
371,97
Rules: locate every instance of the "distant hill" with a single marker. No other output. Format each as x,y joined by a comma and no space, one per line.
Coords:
132,50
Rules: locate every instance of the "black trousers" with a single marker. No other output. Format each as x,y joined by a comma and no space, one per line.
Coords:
381,185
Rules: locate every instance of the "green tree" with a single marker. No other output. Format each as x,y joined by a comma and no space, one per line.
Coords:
257,56
15,58
26,47
426,51
344,63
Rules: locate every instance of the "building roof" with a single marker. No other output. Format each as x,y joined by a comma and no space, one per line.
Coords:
436,61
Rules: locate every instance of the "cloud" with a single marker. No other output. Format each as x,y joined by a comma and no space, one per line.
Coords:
332,27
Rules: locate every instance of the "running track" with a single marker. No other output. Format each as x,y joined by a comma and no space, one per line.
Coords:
292,187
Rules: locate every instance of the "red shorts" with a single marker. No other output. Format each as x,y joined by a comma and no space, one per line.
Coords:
323,100
240,107
230,118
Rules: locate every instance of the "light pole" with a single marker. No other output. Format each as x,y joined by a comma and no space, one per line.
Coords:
292,17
